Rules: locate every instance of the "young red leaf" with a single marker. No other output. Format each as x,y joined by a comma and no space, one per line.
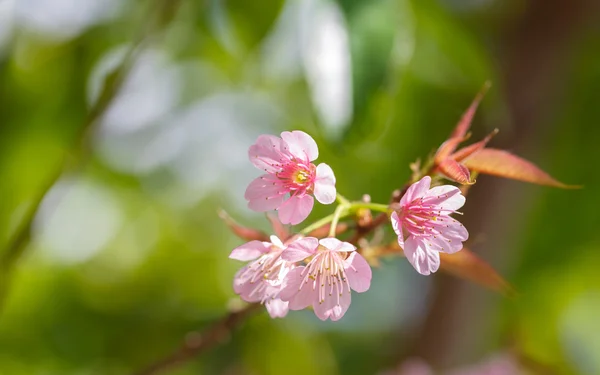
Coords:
467,151
466,265
455,171
465,122
248,234
448,148
504,164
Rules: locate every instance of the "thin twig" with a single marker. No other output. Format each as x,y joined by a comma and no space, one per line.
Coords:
197,342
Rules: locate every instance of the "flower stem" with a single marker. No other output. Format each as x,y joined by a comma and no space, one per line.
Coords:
336,218
372,206
317,224
341,199
342,210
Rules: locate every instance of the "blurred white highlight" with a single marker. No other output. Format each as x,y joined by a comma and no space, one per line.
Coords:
63,19
327,62
76,220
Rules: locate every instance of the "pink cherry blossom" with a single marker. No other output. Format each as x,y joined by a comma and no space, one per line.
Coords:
290,177
424,217
261,279
325,282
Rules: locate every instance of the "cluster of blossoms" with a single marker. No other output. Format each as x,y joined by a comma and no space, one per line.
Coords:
300,271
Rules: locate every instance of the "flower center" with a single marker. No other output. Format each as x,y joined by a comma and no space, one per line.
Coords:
297,176
300,177
421,218
327,274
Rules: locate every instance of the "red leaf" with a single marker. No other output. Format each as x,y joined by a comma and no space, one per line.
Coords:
465,122
504,164
455,171
248,234
466,265
448,147
467,151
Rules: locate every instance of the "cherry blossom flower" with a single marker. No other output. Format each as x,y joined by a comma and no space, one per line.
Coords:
290,177
261,279
325,282
424,217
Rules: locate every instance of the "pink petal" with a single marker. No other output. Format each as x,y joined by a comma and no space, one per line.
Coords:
296,209
276,308
359,272
262,195
414,366
397,225
447,196
416,190
453,236
330,308
325,184
246,289
424,260
266,153
301,145
250,250
276,241
294,290
300,249
336,245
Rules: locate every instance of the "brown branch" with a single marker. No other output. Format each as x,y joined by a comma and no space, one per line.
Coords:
197,342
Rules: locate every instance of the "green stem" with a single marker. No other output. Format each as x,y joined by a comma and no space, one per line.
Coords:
341,211
341,199
336,218
317,224
372,206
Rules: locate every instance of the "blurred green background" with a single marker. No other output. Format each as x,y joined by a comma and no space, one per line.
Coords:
126,254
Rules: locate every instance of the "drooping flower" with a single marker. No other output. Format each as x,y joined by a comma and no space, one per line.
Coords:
325,282
424,218
261,279
290,177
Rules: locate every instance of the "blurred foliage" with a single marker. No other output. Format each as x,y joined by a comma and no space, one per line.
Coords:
127,253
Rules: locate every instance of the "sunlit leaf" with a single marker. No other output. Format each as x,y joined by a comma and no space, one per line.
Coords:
504,164
463,264
467,151
465,121
466,265
455,171
448,147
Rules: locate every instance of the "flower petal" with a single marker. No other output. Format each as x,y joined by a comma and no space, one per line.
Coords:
267,153
262,195
358,272
296,209
325,184
453,236
250,250
301,145
416,190
424,260
397,225
276,241
277,308
334,244
300,249
246,289
447,196
331,308
294,290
